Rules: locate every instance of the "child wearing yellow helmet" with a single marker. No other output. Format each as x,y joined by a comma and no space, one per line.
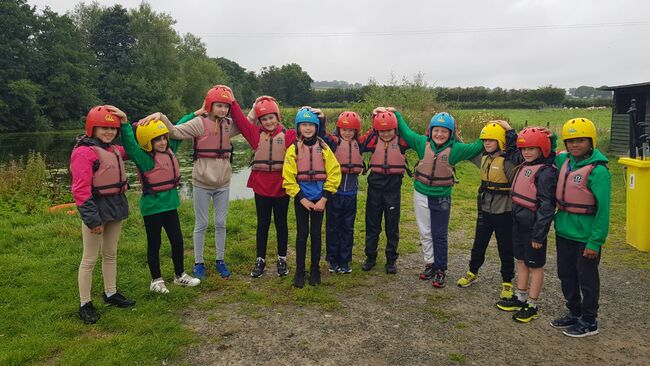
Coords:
494,206
581,225
158,170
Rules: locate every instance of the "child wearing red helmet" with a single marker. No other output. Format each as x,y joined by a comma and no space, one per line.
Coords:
98,186
533,208
387,167
210,128
269,141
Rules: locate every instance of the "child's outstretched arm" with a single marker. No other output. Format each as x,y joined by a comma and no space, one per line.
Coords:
414,140
248,130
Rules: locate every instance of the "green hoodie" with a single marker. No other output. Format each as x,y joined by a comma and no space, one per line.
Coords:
589,229
150,204
419,143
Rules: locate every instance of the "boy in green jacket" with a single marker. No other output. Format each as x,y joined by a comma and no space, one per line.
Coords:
581,225
438,152
159,174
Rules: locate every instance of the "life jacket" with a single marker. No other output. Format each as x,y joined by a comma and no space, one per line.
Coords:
387,157
270,152
215,141
109,174
164,176
524,191
349,157
310,161
434,168
493,175
572,194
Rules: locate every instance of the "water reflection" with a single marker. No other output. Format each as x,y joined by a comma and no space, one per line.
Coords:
56,147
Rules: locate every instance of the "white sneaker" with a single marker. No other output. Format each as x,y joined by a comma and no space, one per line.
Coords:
159,287
186,280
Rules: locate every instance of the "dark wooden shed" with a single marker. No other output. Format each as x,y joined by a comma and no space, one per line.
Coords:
623,95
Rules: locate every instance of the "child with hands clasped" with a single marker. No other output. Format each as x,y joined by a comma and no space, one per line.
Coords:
158,169
581,225
211,133
533,197
311,175
439,150
98,186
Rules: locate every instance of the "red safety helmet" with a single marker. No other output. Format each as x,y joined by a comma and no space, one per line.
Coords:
267,105
100,116
384,121
218,94
349,120
534,137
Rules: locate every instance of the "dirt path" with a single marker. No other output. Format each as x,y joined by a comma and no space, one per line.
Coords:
401,320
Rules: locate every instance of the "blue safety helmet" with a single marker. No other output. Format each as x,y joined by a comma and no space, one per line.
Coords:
442,119
305,115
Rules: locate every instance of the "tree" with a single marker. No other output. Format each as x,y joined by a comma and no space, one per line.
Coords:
288,83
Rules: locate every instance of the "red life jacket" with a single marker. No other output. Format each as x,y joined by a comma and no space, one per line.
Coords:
387,157
310,161
215,141
109,176
434,168
524,191
270,152
349,157
572,194
164,176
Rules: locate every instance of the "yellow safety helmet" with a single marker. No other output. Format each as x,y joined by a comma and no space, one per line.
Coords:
579,127
494,131
145,133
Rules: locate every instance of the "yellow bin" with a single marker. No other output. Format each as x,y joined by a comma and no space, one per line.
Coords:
637,202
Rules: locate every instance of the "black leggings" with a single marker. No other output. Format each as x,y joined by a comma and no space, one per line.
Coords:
279,205
308,223
153,225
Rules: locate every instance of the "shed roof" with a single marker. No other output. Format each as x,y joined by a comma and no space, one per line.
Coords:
628,86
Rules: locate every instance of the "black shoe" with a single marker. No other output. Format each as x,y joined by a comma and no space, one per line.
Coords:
299,279
118,300
511,304
368,264
88,314
391,268
314,276
332,267
581,329
427,274
526,314
258,270
283,268
565,321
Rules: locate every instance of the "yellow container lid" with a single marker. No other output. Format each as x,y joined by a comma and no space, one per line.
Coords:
635,162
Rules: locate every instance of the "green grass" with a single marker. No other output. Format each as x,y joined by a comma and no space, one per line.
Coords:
41,254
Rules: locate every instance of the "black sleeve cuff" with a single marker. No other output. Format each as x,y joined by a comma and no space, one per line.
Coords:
327,194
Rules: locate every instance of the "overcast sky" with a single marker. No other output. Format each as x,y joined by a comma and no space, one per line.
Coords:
512,44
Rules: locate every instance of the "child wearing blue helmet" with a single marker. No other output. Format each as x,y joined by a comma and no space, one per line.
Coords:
311,175
438,152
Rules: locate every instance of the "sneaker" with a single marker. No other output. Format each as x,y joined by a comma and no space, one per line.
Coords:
282,267
199,271
88,313
439,279
345,269
506,290
299,279
369,264
427,274
258,270
565,321
332,267
158,286
511,304
468,279
314,276
118,300
221,267
391,268
581,329
186,280
526,314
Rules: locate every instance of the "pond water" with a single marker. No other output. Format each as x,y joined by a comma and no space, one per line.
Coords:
57,146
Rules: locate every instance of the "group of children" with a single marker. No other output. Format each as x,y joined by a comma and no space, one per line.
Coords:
519,190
